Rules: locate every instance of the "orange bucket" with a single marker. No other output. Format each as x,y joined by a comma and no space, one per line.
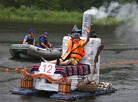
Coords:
64,88
27,83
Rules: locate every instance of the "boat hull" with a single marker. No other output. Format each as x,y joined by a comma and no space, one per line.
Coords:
17,50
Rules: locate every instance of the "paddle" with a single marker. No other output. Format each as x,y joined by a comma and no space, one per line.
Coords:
42,58
100,48
67,54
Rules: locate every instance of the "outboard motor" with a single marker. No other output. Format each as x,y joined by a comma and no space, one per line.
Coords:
93,34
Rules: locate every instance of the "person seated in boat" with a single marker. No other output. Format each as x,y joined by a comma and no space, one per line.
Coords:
43,41
75,50
29,39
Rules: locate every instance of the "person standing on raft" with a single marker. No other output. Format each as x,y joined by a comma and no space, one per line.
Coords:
75,50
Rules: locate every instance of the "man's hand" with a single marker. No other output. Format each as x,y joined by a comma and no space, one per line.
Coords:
88,36
50,45
88,30
43,45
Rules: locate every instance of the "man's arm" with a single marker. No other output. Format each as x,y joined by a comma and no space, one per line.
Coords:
49,45
43,45
88,36
34,41
42,40
25,39
24,42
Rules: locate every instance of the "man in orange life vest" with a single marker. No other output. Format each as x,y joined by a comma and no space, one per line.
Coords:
76,47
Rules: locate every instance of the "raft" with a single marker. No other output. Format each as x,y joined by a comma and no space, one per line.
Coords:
24,92
65,79
74,95
77,73
20,50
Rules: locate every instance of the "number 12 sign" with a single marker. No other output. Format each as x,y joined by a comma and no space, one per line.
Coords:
47,68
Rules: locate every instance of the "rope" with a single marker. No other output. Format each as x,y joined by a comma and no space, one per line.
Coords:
14,70
102,64
119,63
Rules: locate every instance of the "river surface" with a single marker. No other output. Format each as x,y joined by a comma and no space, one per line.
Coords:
124,77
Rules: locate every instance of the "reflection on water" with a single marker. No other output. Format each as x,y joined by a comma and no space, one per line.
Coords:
123,77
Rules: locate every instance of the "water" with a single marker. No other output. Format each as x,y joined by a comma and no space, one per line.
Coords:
123,77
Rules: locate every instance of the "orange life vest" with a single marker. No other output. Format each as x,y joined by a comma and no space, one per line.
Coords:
78,52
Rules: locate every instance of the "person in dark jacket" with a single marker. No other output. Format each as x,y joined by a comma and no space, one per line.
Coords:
43,41
29,39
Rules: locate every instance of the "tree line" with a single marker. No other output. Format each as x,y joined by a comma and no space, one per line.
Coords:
59,5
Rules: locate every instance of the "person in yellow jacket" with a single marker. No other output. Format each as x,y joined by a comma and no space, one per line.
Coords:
75,50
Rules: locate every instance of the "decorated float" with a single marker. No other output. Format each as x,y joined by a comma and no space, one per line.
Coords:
27,50
69,82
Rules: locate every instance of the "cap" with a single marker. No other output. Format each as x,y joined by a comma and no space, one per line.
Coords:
31,31
45,33
75,35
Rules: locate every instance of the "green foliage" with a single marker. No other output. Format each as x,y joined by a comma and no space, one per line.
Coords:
26,14
59,5
63,11
35,15
54,5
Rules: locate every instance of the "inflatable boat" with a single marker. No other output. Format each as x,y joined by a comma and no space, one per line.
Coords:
21,50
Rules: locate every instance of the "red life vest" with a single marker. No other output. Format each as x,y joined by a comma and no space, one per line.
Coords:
78,52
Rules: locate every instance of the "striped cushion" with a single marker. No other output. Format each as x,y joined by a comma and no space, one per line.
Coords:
69,70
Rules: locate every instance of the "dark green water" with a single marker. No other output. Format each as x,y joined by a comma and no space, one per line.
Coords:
123,77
